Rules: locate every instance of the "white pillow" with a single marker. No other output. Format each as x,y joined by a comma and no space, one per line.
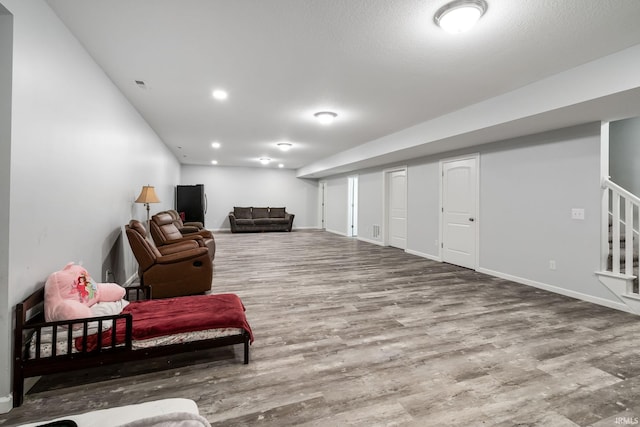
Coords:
108,308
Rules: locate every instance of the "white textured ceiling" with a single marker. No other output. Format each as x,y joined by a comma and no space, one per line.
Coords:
382,65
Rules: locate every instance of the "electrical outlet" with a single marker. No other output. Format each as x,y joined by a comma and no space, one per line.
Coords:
552,264
577,213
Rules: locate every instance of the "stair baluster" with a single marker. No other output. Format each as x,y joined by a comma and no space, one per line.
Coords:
620,269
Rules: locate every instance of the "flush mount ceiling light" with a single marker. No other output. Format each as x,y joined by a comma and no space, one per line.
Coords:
220,94
284,146
325,117
264,160
215,144
214,162
280,165
460,15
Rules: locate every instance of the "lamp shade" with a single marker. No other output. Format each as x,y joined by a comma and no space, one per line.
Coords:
148,195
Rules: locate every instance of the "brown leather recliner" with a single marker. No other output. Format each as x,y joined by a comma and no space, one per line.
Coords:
184,227
165,232
174,270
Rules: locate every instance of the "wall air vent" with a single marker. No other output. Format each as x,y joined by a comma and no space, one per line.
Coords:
376,231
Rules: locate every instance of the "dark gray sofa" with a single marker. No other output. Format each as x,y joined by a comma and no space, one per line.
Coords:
250,219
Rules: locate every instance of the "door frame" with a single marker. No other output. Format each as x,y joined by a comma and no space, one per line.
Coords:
352,206
386,174
322,203
442,162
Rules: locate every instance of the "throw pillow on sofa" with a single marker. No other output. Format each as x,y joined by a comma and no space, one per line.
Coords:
277,212
260,213
242,213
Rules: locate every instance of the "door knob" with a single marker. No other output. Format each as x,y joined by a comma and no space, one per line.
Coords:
471,219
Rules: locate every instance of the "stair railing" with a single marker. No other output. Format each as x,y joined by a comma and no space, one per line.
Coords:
623,209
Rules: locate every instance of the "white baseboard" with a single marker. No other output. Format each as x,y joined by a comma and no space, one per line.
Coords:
557,290
423,255
131,280
228,229
6,403
375,242
340,233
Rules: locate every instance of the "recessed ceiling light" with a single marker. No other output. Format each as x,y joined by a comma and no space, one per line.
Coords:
325,117
280,165
215,144
460,15
284,146
264,160
220,94
214,162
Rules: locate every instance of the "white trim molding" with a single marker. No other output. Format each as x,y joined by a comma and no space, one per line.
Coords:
424,255
375,242
6,403
557,290
339,233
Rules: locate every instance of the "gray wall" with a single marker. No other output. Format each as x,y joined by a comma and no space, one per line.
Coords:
369,204
528,187
624,153
80,154
423,208
227,187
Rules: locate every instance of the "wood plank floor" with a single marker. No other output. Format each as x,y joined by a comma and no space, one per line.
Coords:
350,333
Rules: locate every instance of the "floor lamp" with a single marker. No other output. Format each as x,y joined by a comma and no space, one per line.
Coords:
148,195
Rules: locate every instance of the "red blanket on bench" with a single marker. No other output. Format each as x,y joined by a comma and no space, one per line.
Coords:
155,318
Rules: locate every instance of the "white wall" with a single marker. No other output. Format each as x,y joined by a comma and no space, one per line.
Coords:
227,187
79,155
624,153
6,63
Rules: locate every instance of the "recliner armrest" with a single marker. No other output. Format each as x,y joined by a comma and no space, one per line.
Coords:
197,238
183,256
195,224
188,229
204,234
178,247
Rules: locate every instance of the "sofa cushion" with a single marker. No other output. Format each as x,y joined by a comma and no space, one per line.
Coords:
277,212
243,221
260,213
263,221
242,213
279,220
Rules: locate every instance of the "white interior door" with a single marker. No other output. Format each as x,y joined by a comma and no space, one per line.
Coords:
459,212
397,208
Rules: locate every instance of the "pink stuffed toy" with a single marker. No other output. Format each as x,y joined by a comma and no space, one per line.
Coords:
70,292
